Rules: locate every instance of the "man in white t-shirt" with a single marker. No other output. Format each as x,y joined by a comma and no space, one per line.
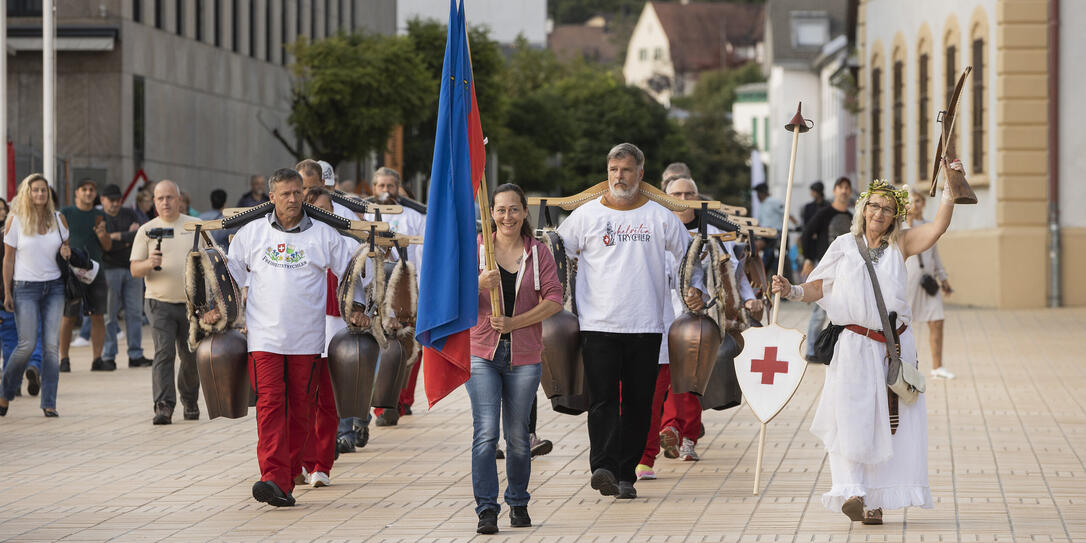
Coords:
620,242
284,259
386,190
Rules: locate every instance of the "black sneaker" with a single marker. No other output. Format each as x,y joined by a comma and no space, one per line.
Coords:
626,491
539,447
362,437
604,481
345,444
102,365
498,454
270,493
111,364
65,365
192,413
140,362
407,410
518,516
388,417
33,381
488,522
163,415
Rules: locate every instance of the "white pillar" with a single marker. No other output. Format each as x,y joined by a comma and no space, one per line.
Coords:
4,102
49,71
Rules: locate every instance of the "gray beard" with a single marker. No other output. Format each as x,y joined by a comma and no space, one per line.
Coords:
622,194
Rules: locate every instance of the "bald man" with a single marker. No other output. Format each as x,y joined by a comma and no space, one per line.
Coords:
166,299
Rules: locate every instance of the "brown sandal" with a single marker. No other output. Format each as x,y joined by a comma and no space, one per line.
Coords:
853,508
873,516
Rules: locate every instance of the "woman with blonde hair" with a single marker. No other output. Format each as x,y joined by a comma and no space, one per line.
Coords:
928,284
877,442
33,286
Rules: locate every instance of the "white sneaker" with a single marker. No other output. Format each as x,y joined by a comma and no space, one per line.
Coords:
942,373
80,342
686,451
318,479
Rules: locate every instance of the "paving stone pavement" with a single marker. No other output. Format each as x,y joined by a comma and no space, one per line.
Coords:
1007,443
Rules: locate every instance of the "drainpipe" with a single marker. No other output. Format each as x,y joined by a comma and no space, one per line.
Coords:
1054,252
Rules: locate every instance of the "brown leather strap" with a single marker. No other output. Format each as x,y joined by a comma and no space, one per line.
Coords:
892,400
876,335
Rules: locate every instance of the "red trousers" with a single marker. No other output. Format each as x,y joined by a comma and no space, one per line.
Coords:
286,388
682,411
320,445
407,393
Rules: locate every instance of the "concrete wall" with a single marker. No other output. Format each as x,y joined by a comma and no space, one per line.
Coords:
837,127
648,35
205,113
1072,159
506,20
748,116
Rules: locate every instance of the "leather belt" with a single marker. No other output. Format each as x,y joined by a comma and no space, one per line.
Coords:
873,334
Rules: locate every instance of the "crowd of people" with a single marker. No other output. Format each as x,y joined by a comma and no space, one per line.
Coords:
98,260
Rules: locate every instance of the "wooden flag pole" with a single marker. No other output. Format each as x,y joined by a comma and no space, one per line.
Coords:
797,126
758,465
488,243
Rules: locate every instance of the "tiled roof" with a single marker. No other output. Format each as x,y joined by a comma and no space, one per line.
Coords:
699,33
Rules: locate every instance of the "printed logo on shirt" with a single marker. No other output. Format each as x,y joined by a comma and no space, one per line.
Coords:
626,233
285,255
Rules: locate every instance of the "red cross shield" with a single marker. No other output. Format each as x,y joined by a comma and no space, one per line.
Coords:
770,368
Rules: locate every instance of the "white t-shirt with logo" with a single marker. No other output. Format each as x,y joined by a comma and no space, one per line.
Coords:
287,280
622,273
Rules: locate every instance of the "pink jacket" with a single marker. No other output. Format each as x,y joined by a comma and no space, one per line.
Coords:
537,280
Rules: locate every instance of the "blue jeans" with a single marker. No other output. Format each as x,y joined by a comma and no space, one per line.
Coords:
127,292
499,390
37,301
9,338
818,320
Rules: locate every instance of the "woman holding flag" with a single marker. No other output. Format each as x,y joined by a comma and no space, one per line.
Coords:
506,352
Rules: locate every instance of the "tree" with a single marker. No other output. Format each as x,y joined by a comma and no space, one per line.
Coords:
427,37
351,91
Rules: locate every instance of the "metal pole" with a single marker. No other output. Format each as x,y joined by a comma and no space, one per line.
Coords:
49,70
4,102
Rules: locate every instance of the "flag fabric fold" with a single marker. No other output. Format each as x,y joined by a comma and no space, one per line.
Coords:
448,284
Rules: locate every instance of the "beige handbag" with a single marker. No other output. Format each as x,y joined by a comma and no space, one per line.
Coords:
903,379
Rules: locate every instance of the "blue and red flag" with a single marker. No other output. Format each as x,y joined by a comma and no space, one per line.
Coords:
449,281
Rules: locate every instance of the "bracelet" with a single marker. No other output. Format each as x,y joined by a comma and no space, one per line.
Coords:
795,293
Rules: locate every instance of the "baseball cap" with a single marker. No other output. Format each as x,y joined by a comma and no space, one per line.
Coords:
111,191
86,181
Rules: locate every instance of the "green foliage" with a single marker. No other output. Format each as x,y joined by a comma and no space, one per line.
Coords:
352,91
428,40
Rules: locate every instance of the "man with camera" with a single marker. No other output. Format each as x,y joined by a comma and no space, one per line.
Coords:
158,255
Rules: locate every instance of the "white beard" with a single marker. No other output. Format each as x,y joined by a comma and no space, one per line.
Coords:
622,194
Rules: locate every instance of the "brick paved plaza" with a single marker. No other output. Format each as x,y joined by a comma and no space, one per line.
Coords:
1007,449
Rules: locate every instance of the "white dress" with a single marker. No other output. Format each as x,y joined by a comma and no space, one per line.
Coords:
926,308
852,419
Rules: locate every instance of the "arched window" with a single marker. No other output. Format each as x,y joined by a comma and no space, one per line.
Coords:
923,104
897,97
951,69
876,122
978,34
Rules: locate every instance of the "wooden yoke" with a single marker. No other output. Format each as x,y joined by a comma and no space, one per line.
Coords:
315,213
569,203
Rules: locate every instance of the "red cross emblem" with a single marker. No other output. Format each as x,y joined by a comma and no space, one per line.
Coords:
281,247
768,366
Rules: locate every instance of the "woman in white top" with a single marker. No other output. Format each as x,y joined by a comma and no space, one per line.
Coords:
874,465
927,307
33,286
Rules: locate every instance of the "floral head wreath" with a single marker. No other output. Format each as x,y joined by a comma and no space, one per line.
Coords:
900,196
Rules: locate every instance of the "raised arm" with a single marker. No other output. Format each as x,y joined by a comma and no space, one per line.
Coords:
919,239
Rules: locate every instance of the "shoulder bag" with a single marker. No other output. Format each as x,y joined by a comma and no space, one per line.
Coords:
927,280
903,379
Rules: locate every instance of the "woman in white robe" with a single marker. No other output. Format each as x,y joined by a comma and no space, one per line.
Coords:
872,469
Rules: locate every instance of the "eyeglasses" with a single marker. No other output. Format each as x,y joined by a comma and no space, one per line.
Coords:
683,195
886,211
